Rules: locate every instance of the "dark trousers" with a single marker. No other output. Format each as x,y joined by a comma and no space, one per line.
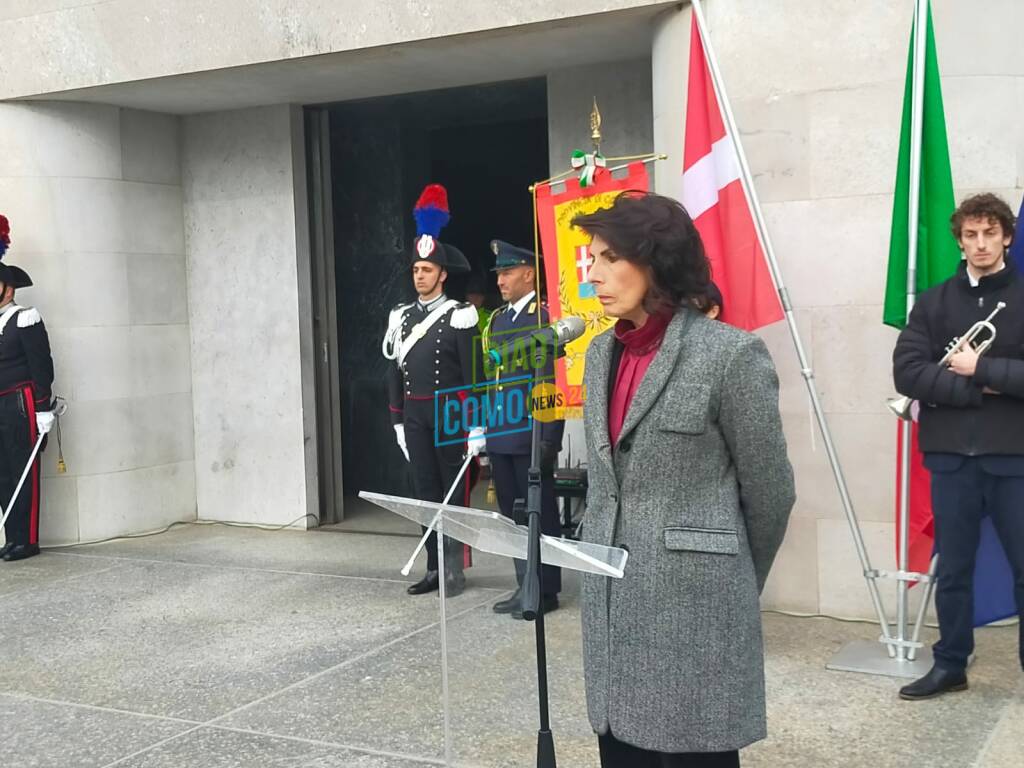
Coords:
964,490
618,754
434,469
511,477
18,436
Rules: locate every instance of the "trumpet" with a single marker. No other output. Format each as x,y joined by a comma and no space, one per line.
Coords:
901,405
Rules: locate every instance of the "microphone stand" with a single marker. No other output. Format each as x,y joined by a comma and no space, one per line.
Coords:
532,602
531,598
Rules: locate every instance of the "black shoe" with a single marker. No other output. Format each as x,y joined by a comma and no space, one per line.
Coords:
509,605
935,683
550,604
427,584
6,548
21,551
454,584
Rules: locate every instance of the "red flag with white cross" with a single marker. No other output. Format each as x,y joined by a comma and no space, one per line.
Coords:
714,196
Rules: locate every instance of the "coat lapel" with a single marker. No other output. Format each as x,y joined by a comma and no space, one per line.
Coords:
598,367
657,374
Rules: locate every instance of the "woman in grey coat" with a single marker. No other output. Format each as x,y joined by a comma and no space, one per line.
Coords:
688,471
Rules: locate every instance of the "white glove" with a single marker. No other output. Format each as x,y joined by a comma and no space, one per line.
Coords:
400,439
44,422
475,441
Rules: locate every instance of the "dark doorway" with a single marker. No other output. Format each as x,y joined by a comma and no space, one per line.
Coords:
486,144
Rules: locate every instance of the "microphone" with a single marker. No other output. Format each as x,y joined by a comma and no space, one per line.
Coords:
565,329
555,336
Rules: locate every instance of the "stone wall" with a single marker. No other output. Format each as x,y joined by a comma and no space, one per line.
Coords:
94,198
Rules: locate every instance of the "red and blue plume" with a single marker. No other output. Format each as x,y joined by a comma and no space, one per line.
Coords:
431,211
5,234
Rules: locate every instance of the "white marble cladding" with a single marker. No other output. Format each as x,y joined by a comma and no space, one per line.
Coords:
817,89
59,45
94,198
253,434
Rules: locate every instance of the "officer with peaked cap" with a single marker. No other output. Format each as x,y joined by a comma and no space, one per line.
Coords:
434,344
509,439
26,376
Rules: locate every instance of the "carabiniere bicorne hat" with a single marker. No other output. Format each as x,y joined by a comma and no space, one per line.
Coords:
507,256
431,215
16,277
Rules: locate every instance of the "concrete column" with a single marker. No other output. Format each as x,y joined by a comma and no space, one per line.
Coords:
94,198
252,360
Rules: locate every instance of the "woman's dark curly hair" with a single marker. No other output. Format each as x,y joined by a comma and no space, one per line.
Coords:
712,298
656,234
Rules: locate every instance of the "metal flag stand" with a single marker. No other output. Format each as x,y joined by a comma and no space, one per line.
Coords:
911,658
896,647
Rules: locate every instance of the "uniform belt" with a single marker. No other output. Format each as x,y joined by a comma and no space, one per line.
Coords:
14,399
446,395
16,389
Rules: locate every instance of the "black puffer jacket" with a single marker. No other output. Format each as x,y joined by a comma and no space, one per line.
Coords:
955,416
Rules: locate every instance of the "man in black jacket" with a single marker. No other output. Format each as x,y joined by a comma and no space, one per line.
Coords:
971,425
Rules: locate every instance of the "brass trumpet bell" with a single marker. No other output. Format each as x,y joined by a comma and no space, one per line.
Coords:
901,406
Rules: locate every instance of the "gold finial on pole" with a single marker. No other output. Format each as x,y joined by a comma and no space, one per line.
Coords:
595,126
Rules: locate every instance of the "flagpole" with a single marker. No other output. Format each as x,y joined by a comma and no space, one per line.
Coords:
805,369
904,651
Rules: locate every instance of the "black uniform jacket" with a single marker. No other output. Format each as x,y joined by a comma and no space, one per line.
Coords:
956,415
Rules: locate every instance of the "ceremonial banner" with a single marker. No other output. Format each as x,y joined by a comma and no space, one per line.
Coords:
567,261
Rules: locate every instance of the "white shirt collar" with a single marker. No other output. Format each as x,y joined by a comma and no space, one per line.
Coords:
974,281
520,305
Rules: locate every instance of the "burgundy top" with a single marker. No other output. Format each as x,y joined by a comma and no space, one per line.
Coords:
640,347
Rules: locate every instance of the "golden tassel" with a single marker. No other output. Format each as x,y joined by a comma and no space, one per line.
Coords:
62,468
492,492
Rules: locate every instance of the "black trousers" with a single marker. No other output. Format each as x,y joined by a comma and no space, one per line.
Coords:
18,436
618,754
434,469
511,476
963,492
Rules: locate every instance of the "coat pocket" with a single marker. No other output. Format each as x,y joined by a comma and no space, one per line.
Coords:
688,421
718,541
685,411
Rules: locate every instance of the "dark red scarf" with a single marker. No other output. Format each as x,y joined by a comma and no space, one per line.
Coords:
640,345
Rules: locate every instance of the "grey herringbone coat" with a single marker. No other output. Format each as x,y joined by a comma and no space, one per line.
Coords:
699,489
